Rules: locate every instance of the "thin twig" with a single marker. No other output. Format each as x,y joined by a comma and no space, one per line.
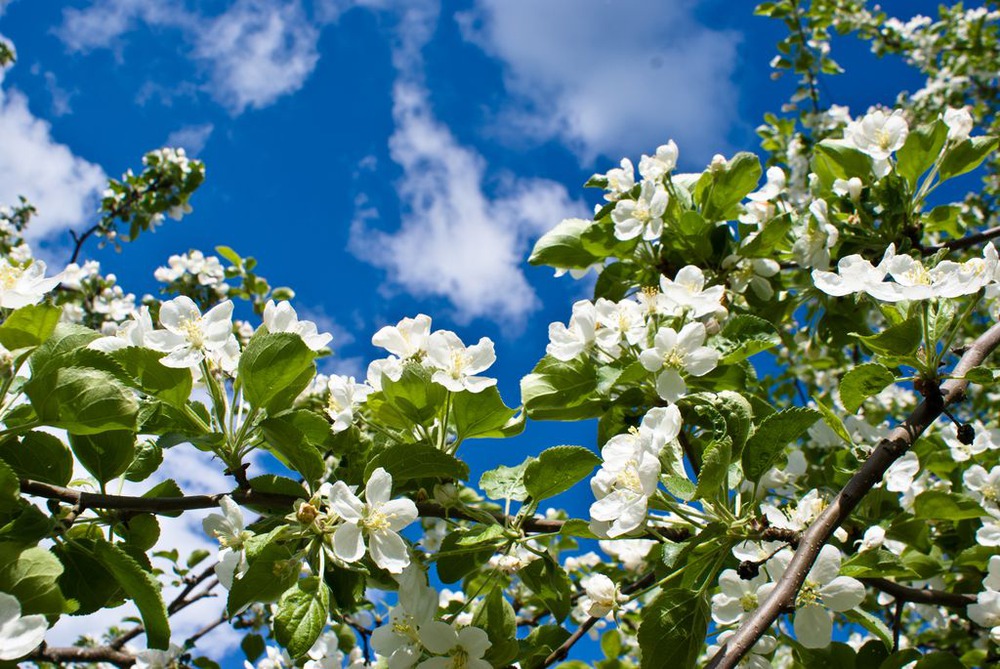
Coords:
562,651
963,242
871,472
179,602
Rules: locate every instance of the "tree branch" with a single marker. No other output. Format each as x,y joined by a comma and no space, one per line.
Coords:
818,533
73,654
904,593
165,505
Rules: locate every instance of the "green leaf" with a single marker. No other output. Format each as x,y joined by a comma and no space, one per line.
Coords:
539,644
58,349
82,400
272,570
505,482
772,435
39,456
10,489
106,455
274,368
562,246
148,458
939,660
738,414
966,156
483,415
862,382
301,617
32,576
834,159
744,336
981,375
169,384
455,561
290,444
940,505
902,339
142,588
414,395
416,461
672,629
876,564
922,147
730,185
85,578
29,326
496,617
558,469
557,390
550,584
714,468
773,237
833,421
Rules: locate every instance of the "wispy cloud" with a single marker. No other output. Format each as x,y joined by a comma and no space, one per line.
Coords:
464,229
252,54
257,52
63,186
192,138
609,78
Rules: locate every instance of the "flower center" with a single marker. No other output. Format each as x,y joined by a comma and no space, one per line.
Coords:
375,521
9,275
459,361
749,601
405,628
883,139
990,492
809,594
674,359
192,330
459,658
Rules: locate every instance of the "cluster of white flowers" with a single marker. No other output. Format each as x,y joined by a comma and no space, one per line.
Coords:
99,301
901,277
412,632
641,216
824,591
452,364
635,328
203,270
630,473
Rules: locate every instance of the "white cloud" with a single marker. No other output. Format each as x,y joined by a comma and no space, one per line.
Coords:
610,78
101,24
254,52
455,240
258,51
192,138
64,187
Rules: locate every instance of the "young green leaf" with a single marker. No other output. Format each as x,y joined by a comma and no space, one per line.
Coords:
558,469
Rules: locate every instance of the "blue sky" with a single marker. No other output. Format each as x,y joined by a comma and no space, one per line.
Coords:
388,157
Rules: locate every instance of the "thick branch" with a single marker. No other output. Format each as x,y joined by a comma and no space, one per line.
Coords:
75,654
818,533
165,505
905,593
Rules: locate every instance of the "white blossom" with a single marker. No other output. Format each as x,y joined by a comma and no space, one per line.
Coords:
601,596
407,339
190,337
878,134
281,317
457,648
673,353
21,286
378,517
568,341
346,395
457,365
959,122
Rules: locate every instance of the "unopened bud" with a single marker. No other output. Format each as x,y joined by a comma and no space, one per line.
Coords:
748,569
306,513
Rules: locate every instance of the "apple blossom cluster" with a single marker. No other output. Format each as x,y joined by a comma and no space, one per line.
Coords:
986,611
93,299
630,473
642,328
442,353
900,278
